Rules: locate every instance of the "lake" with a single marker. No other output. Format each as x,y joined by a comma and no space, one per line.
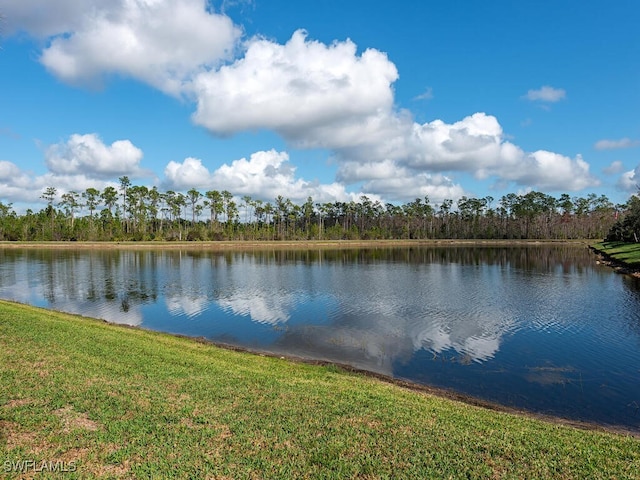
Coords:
538,327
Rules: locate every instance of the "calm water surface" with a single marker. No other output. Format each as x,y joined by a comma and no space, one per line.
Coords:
536,327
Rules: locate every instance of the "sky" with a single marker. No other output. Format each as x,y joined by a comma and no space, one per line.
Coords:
329,99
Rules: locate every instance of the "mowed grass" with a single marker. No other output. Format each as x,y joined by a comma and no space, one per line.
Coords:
627,253
118,402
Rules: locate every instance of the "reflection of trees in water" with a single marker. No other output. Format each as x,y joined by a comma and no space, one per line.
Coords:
130,278
124,277
632,291
530,257
115,275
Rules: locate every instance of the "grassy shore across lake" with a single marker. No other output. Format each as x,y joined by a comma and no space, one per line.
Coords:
625,257
80,398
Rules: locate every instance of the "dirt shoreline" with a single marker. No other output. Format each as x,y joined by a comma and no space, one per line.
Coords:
285,244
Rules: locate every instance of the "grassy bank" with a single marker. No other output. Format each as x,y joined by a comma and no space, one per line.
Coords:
624,253
114,402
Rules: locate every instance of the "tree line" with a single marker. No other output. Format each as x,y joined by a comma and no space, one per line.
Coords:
139,213
627,227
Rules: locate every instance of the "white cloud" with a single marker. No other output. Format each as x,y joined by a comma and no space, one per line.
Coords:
426,95
27,188
615,167
312,94
326,96
159,42
408,187
546,94
549,171
83,161
294,88
20,186
616,144
45,18
264,170
475,338
15,184
475,145
470,144
188,174
355,171
8,170
395,182
630,181
270,171
265,175
88,155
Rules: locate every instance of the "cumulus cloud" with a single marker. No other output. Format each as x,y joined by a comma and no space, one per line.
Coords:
15,184
241,176
88,155
476,145
24,187
404,186
615,167
471,144
43,19
314,95
630,181
327,96
159,42
417,155
294,88
355,171
265,175
549,171
191,173
616,144
394,182
269,170
8,170
83,161
546,94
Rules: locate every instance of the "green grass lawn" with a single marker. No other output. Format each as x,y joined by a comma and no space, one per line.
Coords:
627,253
113,402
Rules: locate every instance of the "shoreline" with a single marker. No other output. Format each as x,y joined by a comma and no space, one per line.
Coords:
288,244
120,402
338,244
440,392
619,266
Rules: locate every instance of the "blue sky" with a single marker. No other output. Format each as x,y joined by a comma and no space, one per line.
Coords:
329,99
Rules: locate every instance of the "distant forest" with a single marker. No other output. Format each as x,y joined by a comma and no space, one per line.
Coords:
137,213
